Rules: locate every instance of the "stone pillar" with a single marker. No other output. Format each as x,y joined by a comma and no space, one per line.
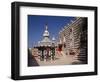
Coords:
53,53
42,55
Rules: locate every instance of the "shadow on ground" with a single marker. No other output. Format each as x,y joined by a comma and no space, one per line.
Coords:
31,60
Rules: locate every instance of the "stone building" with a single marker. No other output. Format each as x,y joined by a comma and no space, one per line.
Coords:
73,38
46,47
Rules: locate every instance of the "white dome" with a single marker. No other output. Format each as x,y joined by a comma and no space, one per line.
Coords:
53,38
46,33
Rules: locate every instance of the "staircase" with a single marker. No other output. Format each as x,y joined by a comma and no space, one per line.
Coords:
83,55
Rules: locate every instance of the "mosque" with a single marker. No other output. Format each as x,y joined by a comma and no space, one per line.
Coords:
46,47
46,42
72,41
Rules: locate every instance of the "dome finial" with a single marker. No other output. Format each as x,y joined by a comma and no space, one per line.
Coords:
46,27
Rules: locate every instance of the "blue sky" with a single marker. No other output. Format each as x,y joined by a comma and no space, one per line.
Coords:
36,26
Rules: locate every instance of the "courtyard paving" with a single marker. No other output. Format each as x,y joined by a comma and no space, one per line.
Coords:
61,59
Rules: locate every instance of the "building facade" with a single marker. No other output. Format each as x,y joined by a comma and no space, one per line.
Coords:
73,38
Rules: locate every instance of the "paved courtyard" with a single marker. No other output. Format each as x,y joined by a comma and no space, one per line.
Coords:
59,60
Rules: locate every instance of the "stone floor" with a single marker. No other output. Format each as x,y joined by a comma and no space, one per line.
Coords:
61,59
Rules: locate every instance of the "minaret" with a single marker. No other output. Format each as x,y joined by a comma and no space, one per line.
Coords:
64,39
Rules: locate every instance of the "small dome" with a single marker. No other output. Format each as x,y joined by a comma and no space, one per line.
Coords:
53,38
46,33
